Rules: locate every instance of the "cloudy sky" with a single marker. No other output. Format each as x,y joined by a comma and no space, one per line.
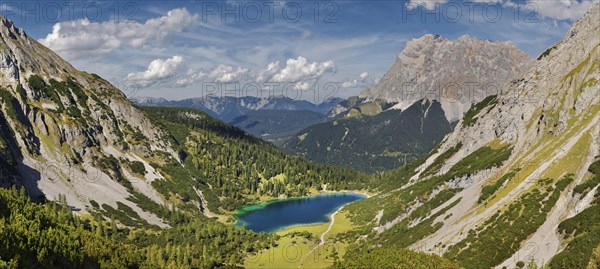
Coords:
315,49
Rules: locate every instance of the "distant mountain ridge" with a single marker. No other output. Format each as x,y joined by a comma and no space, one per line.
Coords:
374,143
276,126
228,108
274,119
430,68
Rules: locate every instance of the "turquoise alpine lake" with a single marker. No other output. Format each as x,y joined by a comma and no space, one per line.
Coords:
277,215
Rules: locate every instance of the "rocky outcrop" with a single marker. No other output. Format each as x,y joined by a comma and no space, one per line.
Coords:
457,73
549,116
64,122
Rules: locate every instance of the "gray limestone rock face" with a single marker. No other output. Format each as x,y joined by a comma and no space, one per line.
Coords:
457,73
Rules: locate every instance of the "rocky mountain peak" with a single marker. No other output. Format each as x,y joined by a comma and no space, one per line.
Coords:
21,56
458,73
14,31
561,88
549,117
63,123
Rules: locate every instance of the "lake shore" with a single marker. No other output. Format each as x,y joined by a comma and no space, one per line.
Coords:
364,193
248,209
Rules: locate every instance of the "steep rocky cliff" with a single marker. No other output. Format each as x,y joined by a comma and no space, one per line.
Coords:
65,130
457,73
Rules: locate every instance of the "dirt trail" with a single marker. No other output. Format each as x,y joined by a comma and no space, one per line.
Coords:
322,238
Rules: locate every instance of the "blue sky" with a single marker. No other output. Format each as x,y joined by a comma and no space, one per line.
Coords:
179,49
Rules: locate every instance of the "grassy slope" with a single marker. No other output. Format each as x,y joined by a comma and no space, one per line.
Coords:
293,250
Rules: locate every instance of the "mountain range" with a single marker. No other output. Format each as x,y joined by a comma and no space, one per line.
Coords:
505,180
73,143
450,75
275,119
515,184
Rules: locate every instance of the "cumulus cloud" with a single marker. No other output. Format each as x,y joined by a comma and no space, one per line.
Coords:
427,4
221,74
266,74
558,9
158,70
360,81
564,9
299,69
82,38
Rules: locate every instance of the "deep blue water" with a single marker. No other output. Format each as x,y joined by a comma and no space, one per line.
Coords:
280,214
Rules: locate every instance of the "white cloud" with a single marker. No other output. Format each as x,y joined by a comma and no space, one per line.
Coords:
157,71
303,36
226,74
266,74
82,38
427,4
562,9
364,75
360,81
221,74
553,9
299,69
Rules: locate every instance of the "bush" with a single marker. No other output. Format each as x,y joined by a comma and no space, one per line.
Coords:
501,235
138,168
489,190
392,258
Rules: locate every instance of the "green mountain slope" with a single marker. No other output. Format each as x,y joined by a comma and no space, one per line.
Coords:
231,167
374,143
49,236
145,185
515,184
276,126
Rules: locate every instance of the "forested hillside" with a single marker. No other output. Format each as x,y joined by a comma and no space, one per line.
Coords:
372,143
231,167
276,126
49,236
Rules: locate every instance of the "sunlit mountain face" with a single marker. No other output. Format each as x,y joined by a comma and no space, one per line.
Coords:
300,134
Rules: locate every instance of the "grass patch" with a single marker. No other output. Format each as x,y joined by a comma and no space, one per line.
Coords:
490,190
584,230
585,187
440,160
471,116
546,52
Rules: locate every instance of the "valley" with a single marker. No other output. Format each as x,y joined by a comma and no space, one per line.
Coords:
404,174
